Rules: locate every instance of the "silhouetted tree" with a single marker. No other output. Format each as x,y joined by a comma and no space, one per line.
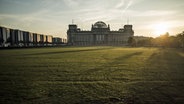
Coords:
145,42
165,39
162,40
169,41
131,42
173,42
180,38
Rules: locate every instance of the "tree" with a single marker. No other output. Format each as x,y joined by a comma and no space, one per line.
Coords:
180,38
144,42
131,41
173,42
162,40
165,39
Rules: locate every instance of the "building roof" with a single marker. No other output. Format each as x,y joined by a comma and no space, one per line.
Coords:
100,24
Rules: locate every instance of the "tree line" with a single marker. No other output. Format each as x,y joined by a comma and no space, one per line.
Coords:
164,40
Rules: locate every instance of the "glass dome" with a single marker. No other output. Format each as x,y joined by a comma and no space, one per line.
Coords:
100,24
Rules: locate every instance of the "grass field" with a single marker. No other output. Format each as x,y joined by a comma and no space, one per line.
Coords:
92,75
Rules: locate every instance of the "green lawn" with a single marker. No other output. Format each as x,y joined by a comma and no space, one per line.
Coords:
92,75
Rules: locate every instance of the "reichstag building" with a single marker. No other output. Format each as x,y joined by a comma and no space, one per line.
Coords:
100,34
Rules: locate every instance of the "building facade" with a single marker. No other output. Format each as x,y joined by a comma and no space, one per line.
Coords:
100,34
19,38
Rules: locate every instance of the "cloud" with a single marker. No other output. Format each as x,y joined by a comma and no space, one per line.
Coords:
71,3
101,10
154,13
50,14
120,4
125,4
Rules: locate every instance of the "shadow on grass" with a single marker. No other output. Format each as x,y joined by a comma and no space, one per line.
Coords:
111,100
70,51
105,67
162,82
122,58
163,79
166,58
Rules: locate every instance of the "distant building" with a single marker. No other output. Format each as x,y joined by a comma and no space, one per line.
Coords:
4,36
100,34
56,40
49,38
19,38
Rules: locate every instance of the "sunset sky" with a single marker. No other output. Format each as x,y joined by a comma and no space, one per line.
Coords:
148,17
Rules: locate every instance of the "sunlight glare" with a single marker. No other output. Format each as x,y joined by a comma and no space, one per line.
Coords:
160,28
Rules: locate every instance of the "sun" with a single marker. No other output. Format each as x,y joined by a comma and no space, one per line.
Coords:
160,28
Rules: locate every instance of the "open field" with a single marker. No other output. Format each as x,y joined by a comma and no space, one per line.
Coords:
92,75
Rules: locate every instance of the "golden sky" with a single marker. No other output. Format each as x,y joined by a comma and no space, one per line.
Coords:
148,17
